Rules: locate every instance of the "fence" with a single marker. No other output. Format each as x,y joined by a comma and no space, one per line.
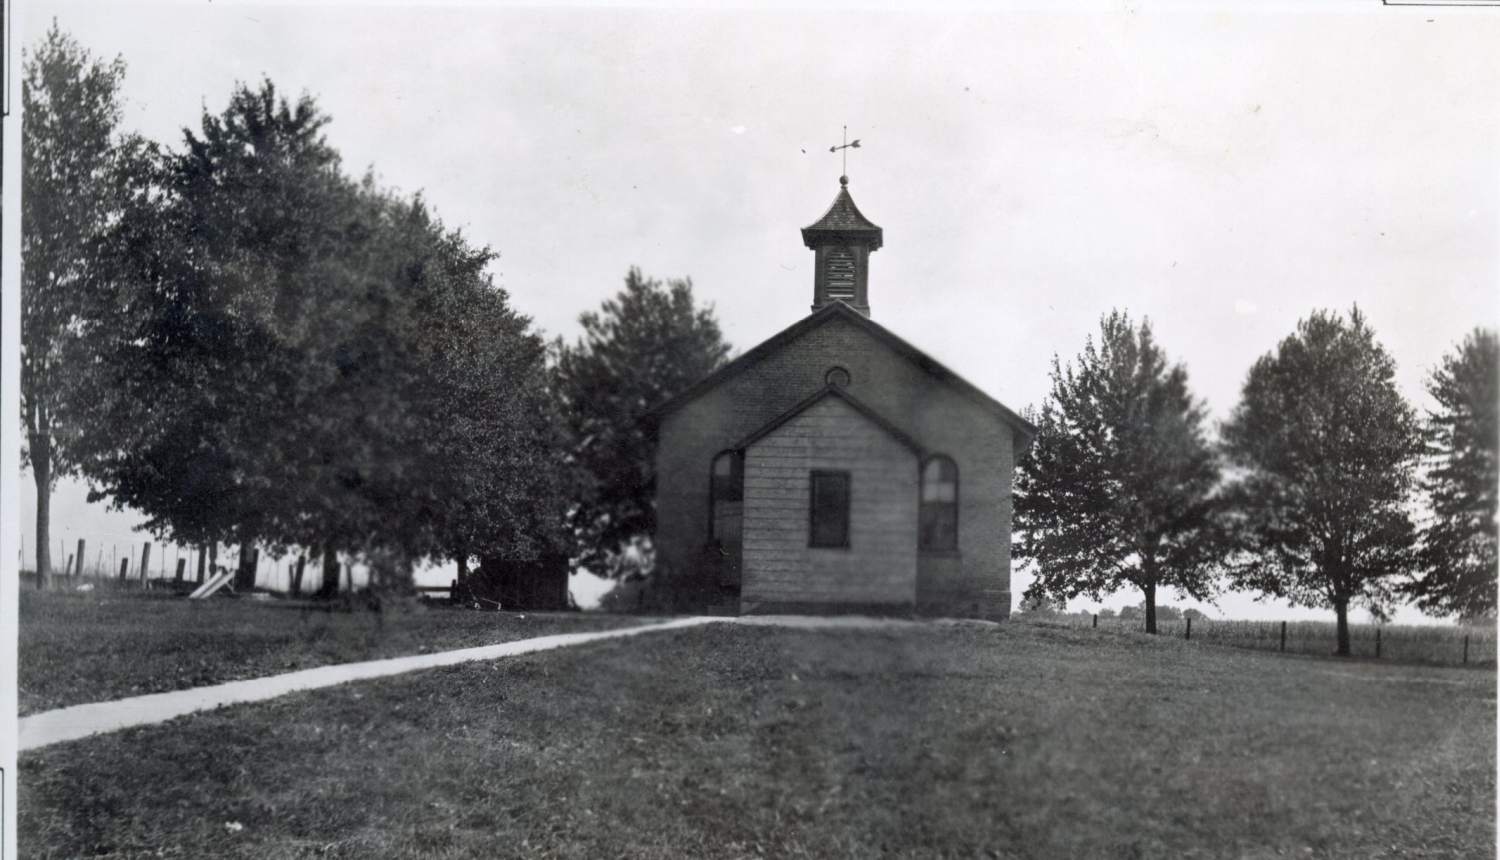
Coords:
104,560
1440,644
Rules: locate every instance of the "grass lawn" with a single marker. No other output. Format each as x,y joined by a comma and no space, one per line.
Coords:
731,741
95,646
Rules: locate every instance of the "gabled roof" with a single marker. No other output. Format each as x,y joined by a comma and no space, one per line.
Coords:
843,220
823,394
840,310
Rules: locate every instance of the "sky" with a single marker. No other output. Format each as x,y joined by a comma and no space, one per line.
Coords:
1223,169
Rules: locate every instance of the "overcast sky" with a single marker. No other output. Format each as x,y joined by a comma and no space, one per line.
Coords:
1220,171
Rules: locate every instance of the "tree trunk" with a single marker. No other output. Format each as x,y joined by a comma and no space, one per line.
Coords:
244,576
41,470
330,585
1341,608
1150,591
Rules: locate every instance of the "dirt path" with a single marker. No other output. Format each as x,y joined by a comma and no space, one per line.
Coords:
81,721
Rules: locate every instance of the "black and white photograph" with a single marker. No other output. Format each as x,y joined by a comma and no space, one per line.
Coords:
848,430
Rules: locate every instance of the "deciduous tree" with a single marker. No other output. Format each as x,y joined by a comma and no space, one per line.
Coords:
73,155
1458,545
1117,490
228,272
1324,449
312,361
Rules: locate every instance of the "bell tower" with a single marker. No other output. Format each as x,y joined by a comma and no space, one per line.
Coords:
842,241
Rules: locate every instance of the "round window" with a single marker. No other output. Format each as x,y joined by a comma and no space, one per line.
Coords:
837,377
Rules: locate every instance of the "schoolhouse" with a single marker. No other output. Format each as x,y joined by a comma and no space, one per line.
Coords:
837,468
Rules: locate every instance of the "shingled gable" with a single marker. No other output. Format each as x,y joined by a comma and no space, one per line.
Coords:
831,391
839,310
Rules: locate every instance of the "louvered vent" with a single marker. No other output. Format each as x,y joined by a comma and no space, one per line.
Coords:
840,274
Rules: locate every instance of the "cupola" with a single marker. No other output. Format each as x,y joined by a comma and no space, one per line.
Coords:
842,240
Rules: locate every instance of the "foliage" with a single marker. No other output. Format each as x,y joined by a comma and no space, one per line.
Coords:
1038,604
1117,489
72,161
647,343
307,360
1164,613
1324,448
1458,547
223,269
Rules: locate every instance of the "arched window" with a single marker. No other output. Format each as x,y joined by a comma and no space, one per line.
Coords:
837,377
726,498
938,513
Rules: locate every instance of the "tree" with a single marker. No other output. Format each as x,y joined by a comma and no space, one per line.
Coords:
1324,447
72,159
647,343
1118,487
236,258
306,360
1039,604
478,471
1458,547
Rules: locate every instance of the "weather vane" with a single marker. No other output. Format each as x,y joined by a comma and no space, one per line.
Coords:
845,147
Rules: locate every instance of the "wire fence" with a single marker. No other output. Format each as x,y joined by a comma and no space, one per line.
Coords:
1408,643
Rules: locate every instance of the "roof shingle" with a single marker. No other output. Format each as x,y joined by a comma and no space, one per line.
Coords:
843,220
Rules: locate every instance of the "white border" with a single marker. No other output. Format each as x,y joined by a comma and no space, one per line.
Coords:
10,419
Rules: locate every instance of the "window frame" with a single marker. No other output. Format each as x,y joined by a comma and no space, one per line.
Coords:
812,507
923,506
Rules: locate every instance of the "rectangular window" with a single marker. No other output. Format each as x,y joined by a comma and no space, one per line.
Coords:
829,510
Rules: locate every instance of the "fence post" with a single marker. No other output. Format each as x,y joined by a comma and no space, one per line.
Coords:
146,565
202,560
79,572
1377,643
181,568
1189,633
1096,621
297,575
124,567
1466,649
1283,635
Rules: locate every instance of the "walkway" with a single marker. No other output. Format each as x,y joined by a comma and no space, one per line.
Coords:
81,721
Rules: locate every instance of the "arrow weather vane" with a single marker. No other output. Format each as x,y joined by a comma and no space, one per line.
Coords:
845,147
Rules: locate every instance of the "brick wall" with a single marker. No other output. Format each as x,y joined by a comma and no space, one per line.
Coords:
973,582
880,564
